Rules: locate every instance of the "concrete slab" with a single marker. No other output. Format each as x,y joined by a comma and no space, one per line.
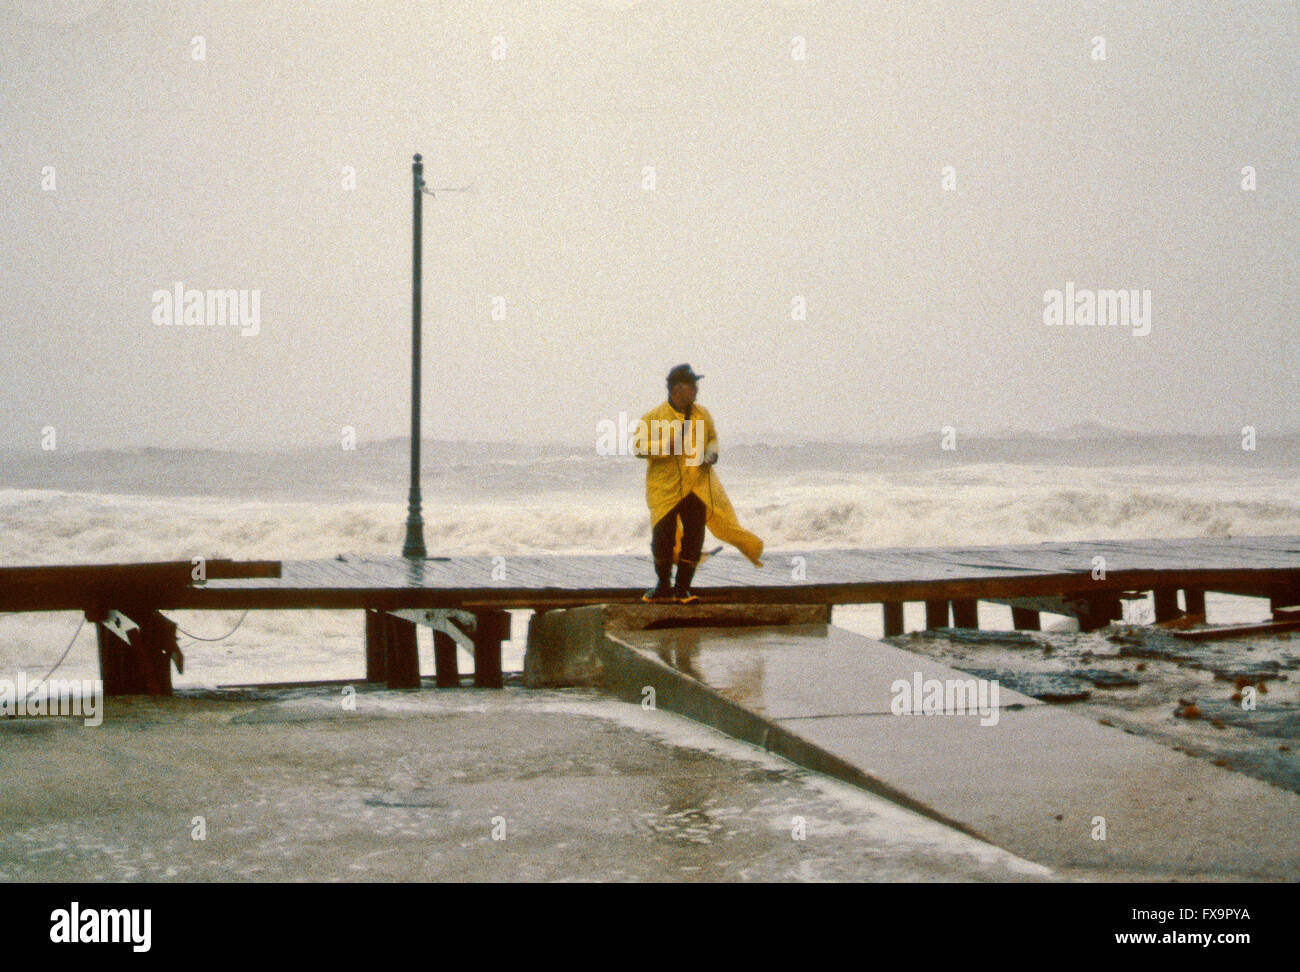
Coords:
768,669
552,660
448,785
1042,781
1039,780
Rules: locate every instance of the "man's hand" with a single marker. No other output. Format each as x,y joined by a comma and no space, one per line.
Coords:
710,456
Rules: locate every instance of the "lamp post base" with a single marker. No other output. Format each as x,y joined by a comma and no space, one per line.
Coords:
414,545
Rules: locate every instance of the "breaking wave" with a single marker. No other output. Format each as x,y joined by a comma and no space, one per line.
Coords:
996,504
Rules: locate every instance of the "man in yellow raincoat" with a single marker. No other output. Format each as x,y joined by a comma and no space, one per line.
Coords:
680,444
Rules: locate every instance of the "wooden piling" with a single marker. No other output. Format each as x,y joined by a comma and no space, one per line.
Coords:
1284,598
117,668
936,614
490,629
1194,601
965,613
444,660
1025,619
142,664
893,618
1166,599
376,652
402,659
1098,610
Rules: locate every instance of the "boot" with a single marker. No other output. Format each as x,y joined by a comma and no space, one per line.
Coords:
682,591
663,591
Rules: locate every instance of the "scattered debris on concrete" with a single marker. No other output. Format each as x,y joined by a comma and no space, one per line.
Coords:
1234,702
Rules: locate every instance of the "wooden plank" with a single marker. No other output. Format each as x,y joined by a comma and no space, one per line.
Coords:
171,571
76,587
849,592
1236,631
588,572
1036,605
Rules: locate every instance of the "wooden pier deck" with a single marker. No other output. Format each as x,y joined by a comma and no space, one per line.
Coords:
809,576
465,598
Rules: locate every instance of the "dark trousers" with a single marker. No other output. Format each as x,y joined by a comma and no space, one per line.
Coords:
692,513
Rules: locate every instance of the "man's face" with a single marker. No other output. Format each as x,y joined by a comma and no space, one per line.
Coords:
683,393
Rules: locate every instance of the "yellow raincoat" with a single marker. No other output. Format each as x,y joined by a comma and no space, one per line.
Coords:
674,473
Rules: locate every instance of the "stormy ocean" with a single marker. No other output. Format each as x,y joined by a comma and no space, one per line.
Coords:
499,498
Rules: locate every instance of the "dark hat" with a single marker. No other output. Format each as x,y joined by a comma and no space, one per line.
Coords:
682,373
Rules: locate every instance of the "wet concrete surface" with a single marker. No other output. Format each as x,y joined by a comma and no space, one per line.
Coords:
1143,679
1038,780
441,785
792,671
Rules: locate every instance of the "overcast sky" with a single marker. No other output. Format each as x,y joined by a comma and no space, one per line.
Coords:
775,177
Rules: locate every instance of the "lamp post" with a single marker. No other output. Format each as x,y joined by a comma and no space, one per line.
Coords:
414,545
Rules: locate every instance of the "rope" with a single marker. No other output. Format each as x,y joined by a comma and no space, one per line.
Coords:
61,658
82,624
222,638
